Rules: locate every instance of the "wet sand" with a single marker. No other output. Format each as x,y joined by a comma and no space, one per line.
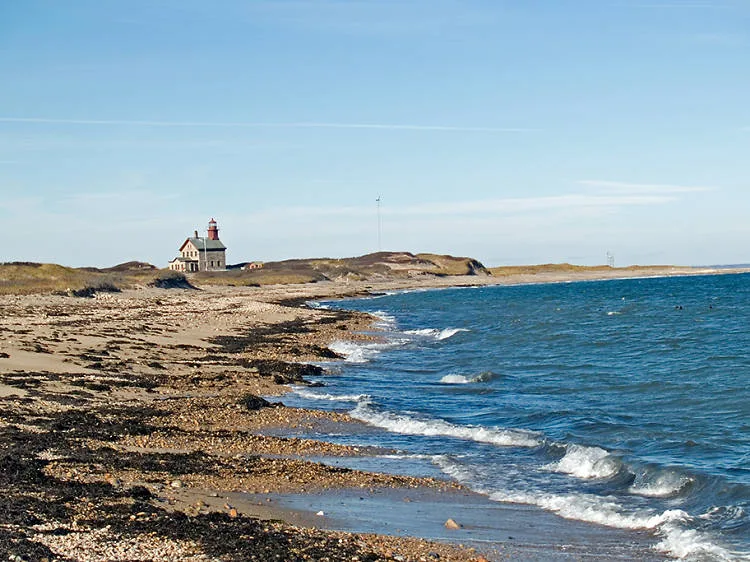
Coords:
133,428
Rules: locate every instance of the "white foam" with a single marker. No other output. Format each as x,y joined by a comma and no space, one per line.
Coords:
586,462
435,333
676,540
592,509
310,395
317,305
461,473
664,484
692,545
413,456
449,333
408,425
462,379
455,379
387,321
359,352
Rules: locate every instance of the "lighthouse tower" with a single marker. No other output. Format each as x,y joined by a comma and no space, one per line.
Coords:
213,230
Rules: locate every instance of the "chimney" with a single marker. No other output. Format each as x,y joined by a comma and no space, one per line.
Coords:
213,230
195,235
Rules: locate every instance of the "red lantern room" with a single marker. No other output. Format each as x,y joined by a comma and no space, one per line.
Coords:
213,230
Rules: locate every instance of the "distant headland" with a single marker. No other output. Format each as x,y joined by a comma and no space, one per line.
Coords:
394,269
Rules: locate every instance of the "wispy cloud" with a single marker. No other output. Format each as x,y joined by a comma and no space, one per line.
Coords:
640,188
481,207
258,125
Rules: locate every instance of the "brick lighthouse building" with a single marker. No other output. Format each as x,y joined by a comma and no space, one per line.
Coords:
201,253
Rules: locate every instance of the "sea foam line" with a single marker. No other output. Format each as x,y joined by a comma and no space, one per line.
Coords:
436,333
407,425
672,525
310,395
359,352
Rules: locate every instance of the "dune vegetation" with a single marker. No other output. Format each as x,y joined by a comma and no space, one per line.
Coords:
31,278
23,278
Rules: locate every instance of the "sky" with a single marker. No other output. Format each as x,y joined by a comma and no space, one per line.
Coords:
511,131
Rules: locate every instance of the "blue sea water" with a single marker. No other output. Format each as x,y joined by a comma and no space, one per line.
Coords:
622,403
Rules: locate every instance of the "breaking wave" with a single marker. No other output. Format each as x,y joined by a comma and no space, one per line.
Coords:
310,395
586,462
408,425
671,526
439,335
360,352
486,376
662,483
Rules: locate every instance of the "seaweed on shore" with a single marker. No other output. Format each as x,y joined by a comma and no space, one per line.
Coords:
283,372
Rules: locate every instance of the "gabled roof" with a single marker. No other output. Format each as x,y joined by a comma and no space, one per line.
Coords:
204,244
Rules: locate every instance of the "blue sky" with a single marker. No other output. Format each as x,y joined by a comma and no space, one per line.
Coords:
523,131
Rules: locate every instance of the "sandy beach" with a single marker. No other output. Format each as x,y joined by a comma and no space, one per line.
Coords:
134,428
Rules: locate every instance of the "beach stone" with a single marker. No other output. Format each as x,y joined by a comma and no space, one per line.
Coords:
451,524
176,484
253,402
140,493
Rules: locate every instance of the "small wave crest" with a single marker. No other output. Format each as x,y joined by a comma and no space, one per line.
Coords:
359,352
662,483
310,395
586,462
385,320
592,509
435,333
691,544
461,472
485,376
408,425
677,539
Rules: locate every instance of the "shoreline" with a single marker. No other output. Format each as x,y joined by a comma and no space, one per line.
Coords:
132,422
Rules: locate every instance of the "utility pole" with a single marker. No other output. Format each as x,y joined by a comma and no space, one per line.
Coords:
379,238
205,253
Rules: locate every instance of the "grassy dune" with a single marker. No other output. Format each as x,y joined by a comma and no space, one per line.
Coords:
381,265
565,268
31,278
23,278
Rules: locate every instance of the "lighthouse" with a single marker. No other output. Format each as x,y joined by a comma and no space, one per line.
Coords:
213,230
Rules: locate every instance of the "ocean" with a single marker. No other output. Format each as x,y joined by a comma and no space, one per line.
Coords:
622,403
